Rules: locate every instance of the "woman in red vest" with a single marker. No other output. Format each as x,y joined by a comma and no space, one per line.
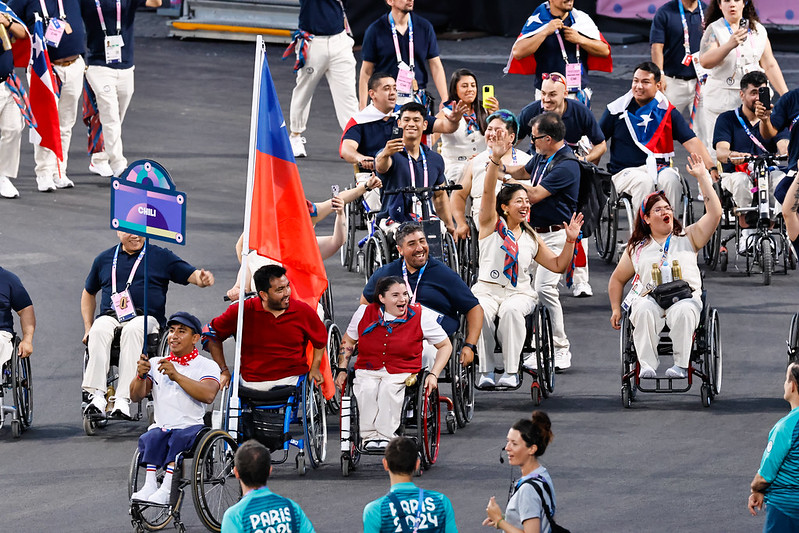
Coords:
389,334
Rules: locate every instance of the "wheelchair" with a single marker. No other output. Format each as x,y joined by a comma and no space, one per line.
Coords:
213,485
705,361
282,418
460,407
793,340
359,218
468,255
617,220
381,248
537,343
420,420
17,383
156,347
333,343
768,243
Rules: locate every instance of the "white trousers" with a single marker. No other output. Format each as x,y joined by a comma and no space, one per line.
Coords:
637,183
581,273
11,126
330,56
6,347
71,92
740,186
379,395
113,89
546,285
681,95
648,319
716,101
131,342
511,306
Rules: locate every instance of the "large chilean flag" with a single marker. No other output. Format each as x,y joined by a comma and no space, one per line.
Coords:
44,104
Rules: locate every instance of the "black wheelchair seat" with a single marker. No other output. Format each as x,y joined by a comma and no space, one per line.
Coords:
278,395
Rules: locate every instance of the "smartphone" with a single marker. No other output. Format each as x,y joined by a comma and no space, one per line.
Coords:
334,190
488,92
764,95
396,132
744,23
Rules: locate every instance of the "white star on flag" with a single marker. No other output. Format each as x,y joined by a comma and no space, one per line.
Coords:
645,120
534,18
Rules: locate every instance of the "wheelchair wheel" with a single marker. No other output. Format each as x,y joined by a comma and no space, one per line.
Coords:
22,387
450,252
151,517
607,228
713,358
376,254
348,250
766,260
628,361
349,433
545,351
793,340
461,381
314,423
333,348
214,487
712,249
428,425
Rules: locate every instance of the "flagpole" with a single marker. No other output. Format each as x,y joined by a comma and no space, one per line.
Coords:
260,53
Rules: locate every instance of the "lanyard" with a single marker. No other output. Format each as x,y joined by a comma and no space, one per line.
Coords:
418,522
563,47
132,271
686,38
396,40
413,171
408,284
539,176
737,48
346,21
665,250
793,123
749,132
60,10
102,19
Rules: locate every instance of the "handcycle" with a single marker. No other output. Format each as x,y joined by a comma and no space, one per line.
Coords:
17,383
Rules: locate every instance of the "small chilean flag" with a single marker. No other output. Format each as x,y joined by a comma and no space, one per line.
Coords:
44,104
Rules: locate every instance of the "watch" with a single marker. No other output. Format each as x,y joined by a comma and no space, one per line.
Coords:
471,346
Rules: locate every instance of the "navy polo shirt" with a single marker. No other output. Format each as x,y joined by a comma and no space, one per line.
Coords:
321,17
624,153
378,47
399,207
373,136
440,289
6,64
784,113
577,117
730,130
95,38
667,30
562,180
13,297
549,57
163,266
72,44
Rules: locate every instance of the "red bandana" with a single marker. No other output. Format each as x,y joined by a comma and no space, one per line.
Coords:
184,360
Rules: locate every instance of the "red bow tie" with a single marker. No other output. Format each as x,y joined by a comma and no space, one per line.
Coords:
185,359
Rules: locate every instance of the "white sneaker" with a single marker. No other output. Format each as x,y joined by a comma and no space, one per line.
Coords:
646,371
161,496
298,145
117,172
45,183
7,189
745,244
98,403
531,361
677,372
145,492
62,182
486,380
121,407
563,358
583,290
101,168
508,380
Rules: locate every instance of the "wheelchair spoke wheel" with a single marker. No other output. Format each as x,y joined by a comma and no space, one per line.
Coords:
545,351
712,250
348,250
450,252
315,423
793,340
213,484
376,254
333,348
605,231
766,260
23,387
714,355
151,517
430,425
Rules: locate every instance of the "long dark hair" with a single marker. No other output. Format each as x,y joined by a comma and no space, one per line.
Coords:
536,430
384,284
504,197
749,13
477,106
641,230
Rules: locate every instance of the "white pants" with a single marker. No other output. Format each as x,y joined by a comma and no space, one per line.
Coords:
511,306
6,347
11,126
681,95
269,385
113,89
71,92
131,342
716,101
330,56
740,186
379,395
581,273
648,319
637,183
546,285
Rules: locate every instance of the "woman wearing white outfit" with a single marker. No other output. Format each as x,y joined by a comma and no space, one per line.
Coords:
734,43
508,247
460,146
659,239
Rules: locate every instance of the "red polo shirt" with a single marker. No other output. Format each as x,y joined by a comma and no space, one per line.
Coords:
272,347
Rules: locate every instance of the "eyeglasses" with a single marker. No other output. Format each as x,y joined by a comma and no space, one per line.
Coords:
556,77
534,139
662,210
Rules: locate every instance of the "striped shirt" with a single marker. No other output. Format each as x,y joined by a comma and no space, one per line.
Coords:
780,465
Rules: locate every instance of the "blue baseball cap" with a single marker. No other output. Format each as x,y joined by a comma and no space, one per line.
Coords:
187,319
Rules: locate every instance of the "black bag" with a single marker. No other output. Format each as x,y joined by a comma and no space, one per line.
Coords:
672,292
594,192
534,482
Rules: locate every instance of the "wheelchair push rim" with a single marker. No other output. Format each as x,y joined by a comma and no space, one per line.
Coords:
22,386
214,487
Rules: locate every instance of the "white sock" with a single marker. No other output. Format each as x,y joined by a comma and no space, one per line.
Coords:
150,479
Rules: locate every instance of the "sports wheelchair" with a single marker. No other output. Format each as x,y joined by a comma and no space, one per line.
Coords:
538,344
333,343
381,248
468,255
617,219
769,242
156,347
460,407
793,340
18,384
705,360
214,487
420,419
360,216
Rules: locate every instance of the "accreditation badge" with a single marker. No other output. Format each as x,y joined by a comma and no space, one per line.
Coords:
113,49
123,306
55,30
574,76
405,79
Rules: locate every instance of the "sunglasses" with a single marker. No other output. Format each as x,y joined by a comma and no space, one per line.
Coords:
534,139
556,77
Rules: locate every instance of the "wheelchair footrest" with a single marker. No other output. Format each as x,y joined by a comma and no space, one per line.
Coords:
664,385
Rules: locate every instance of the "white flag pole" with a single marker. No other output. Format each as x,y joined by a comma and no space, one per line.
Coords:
260,53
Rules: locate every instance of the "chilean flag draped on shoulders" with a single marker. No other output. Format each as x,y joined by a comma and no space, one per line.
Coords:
20,48
279,226
538,21
366,115
44,104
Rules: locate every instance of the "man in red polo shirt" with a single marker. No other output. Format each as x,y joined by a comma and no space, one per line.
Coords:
276,332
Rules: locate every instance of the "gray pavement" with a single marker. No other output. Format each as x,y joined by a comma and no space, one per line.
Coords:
666,465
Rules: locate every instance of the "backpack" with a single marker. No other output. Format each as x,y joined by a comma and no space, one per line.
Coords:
534,482
594,192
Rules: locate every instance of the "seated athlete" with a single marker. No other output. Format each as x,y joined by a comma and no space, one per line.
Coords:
182,384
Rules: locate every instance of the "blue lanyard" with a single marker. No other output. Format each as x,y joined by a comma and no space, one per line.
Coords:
537,178
132,270
686,37
412,293
749,132
413,171
793,123
396,39
665,249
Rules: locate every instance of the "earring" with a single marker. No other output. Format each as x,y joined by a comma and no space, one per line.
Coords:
506,213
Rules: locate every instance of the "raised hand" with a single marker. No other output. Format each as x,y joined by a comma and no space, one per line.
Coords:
574,226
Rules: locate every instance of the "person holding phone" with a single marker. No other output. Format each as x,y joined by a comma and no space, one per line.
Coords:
734,43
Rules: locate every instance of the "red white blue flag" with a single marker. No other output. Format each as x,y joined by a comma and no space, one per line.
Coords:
20,48
649,125
44,104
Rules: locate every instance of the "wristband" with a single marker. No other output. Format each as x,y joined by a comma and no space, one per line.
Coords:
340,370
142,378
499,522
497,164
471,346
571,242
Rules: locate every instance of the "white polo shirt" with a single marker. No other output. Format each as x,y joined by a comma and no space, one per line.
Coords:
174,408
